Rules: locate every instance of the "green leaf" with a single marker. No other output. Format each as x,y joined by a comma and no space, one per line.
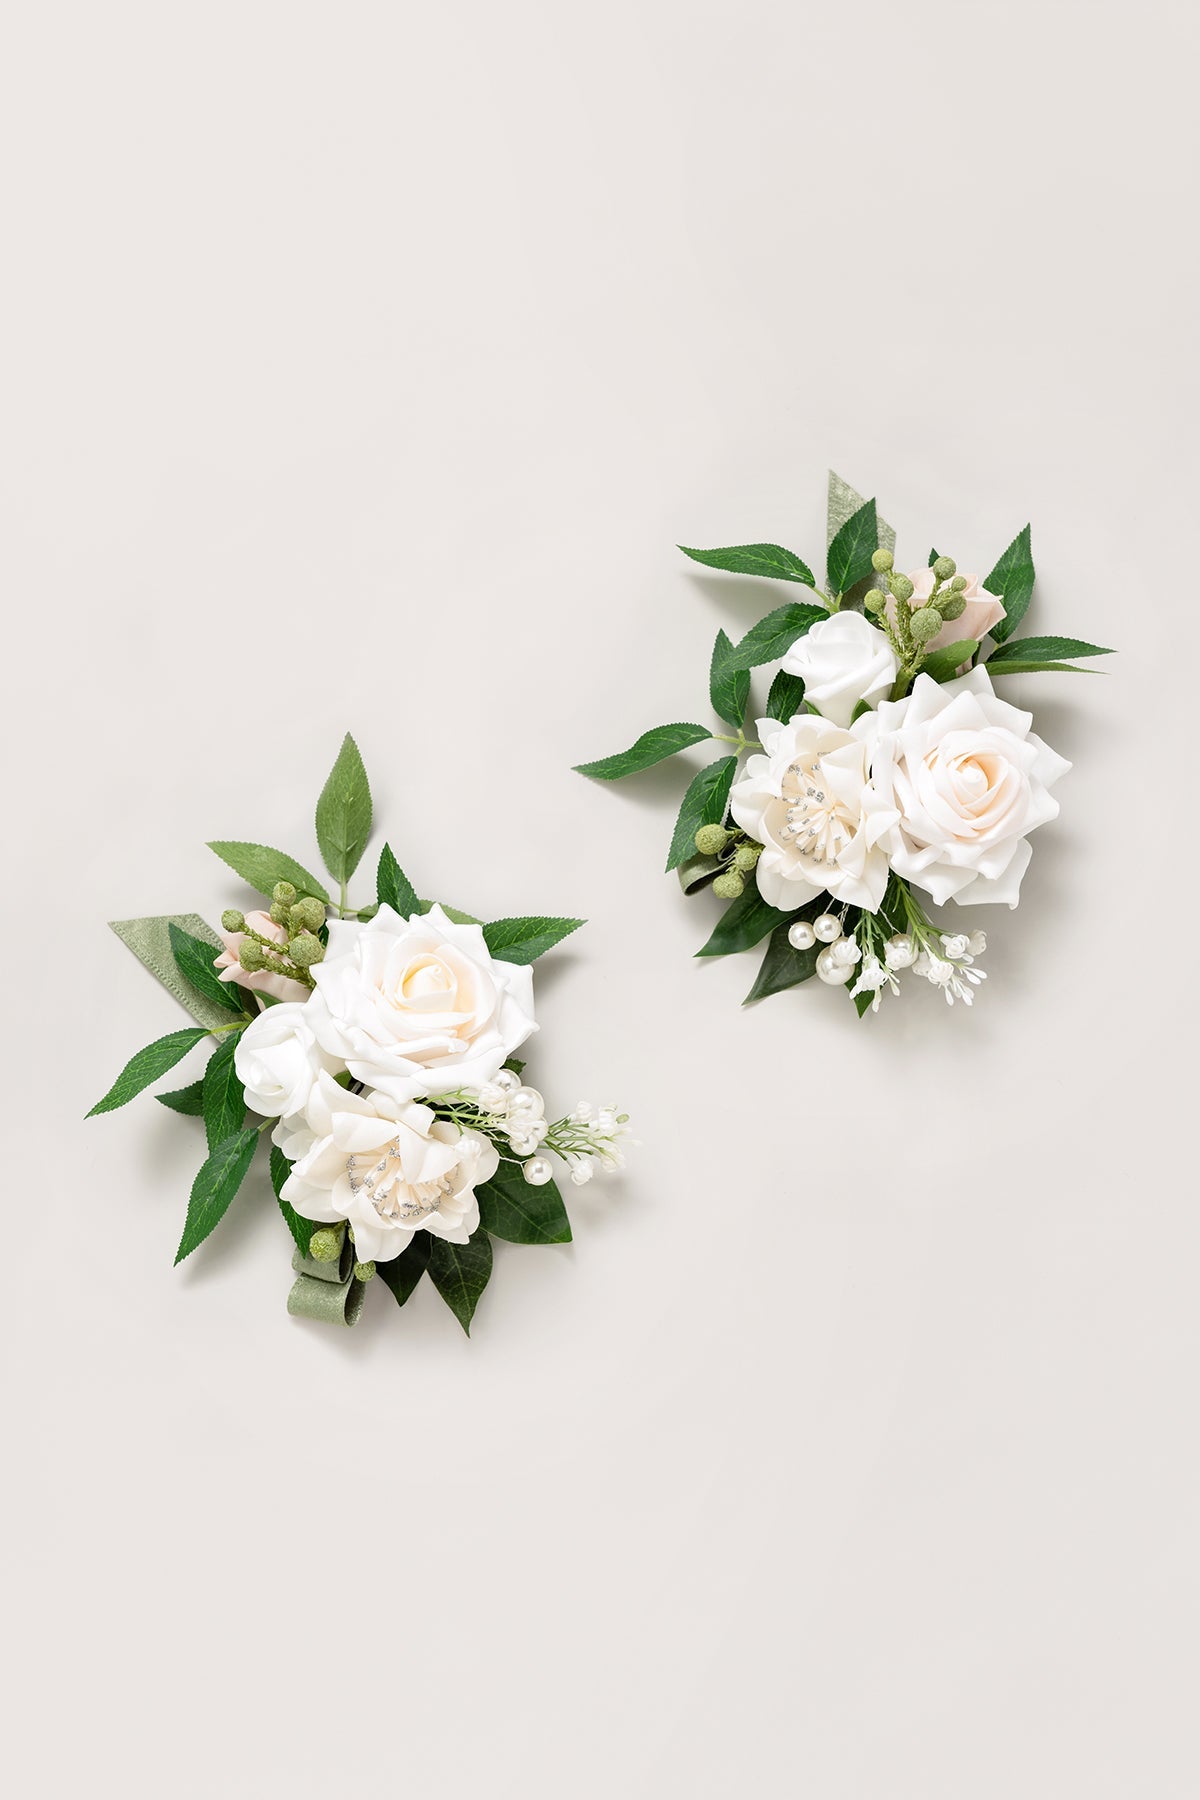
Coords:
845,500
219,1179
261,867
392,886
774,636
194,960
933,556
402,1273
696,871
1046,649
944,662
863,1003
188,1100
744,923
1012,581
703,804
860,707
460,1273
147,1066
224,1103
654,746
786,696
728,685
782,967
524,940
755,559
522,1214
851,551
1021,666
300,1228
451,912
344,813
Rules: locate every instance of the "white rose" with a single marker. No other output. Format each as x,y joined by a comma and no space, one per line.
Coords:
418,1006
958,781
277,1060
803,801
841,660
391,1168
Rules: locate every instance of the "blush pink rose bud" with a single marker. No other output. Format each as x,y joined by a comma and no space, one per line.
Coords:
980,612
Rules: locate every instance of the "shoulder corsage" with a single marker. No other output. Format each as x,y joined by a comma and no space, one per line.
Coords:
377,1047
887,772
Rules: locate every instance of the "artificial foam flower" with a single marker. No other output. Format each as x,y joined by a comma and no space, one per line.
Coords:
842,661
259,981
980,612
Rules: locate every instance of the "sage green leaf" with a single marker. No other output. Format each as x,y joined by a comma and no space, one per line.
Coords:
744,923
843,501
147,1066
696,871
512,1209
1021,666
728,685
1045,649
187,1100
774,636
703,804
782,967
260,867
194,960
300,1228
654,746
851,551
524,940
451,912
944,663
393,887
771,560
150,941
219,1179
460,1273
1012,581
224,1103
785,697
403,1272
344,813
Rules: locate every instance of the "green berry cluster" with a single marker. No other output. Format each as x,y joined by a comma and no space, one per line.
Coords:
735,850
911,628
302,917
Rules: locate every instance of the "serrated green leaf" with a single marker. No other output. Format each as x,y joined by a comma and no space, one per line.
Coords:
392,886
703,804
219,1179
147,1066
300,1228
774,636
187,1100
944,663
512,1209
1018,666
402,1273
786,696
260,867
194,960
844,501
524,940
654,746
451,912
771,560
1045,649
696,871
224,1098
728,685
851,551
1012,581
782,967
744,923
460,1273
344,813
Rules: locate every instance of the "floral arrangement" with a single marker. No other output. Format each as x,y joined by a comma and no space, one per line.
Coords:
376,1045
887,770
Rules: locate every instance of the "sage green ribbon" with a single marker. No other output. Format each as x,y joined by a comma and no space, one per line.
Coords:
150,941
328,1292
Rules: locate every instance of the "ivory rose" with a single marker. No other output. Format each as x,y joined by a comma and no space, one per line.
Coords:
260,981
418,1006
981,612
390,1167
958,781
841,660
277,1061
803,801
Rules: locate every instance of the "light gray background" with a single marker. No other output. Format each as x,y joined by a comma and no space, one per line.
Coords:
363,366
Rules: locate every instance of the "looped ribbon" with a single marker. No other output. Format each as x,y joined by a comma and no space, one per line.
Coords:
327,1291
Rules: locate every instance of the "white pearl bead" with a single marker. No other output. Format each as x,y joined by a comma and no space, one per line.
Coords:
537,1171
828,928
523,1143
900,952
835,973
526,1100
508,1081
801,935
845,951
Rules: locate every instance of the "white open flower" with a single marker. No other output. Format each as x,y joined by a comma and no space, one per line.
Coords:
278,1059
389,1167
958,781
841,660
418,1006
803,801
